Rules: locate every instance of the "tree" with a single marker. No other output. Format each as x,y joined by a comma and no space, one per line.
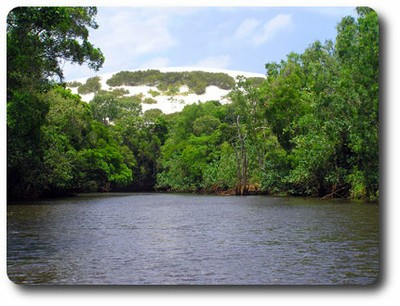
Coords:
193,143
319,136
26,113
143,135
205,125
39,39
63,136
91,85
282,95
110,106
251,134
357,49
104,164
323,107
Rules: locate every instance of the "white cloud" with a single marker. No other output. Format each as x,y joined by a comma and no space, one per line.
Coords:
272,27
246,28
257,32
218,61
126,35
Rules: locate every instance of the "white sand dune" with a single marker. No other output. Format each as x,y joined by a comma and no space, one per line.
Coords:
171,104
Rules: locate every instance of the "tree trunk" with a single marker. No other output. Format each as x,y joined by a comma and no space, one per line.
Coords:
242,162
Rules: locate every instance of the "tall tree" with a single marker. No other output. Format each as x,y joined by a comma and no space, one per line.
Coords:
357,48
39,39
323,107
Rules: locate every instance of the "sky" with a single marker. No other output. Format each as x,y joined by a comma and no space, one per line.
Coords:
236,38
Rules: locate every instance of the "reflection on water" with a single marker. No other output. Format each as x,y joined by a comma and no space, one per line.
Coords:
192,239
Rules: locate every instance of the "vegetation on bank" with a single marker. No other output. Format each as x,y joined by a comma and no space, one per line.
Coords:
310,128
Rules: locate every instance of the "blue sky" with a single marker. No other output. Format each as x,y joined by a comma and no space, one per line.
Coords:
237,38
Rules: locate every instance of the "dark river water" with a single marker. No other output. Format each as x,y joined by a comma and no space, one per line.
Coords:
162,239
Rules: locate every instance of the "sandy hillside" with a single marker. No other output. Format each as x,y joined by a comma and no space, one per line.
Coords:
170,104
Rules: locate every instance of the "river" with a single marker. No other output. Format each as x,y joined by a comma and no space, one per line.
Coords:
163,239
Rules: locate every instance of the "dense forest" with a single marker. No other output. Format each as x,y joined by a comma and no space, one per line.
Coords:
311,128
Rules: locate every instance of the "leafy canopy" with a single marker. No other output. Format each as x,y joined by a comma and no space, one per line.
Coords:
39,39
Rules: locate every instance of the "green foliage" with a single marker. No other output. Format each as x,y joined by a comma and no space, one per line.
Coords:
170,82
206,125
143,135
80,154
192,145
220,174
357,46
284,96
110,106
92,85
311,128
101,167
26,113
255,81
120,92
323,107
275,168
149,101
58,162
74,84
358,185
40,38
135,78
154,93
68,115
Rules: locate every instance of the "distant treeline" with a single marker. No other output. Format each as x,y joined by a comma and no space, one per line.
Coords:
197,81
311,128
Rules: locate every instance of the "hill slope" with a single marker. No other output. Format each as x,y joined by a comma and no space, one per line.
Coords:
167,89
